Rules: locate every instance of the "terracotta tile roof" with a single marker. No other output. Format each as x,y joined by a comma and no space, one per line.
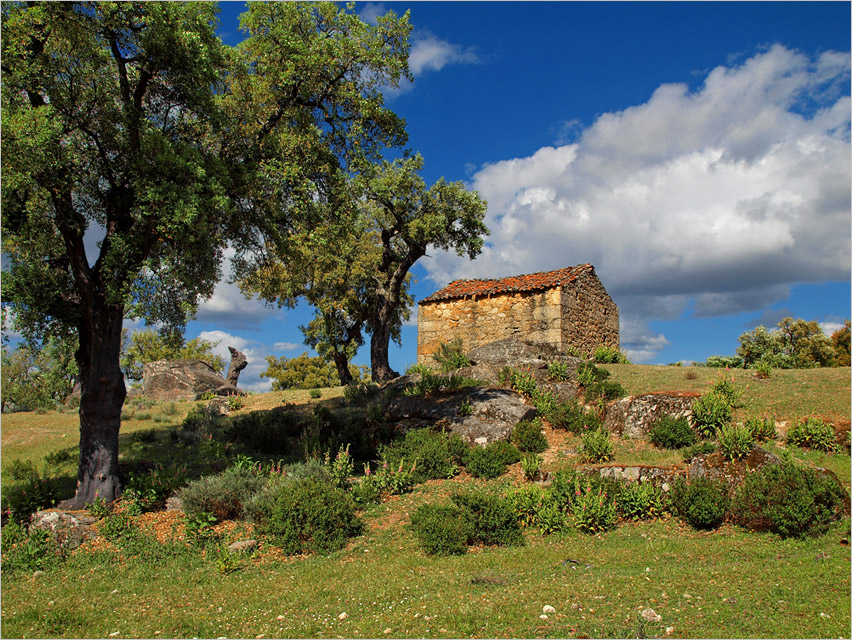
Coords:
530,282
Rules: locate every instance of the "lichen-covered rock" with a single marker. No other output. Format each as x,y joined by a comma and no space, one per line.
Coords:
71,528
633,416
714,465
183,380
479,415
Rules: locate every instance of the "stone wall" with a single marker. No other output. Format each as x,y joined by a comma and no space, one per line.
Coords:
589,316
532,316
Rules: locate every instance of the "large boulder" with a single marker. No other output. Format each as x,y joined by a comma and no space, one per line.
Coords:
633,416
183,380
480,415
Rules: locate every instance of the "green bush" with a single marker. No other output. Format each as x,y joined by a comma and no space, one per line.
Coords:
522,381
588,374
485,462
436,453
384,481
27,550
572,417
594,511
508,452
609,355
719,362
531,465
672,433
711,412
761,429
604,390
697,449
558,371
565,486
703,503
492,519
224,495
28,491
597,446
728,389
308,515
526,501
789,500
441,529
735,441
527,436
450,356
641,501
813,433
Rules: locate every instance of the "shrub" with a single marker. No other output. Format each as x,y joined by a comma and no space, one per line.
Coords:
485,462
761,429
526,502
315,394
385,481
762,368
523,382
558,371
491,517
604,390
670,432
430,384
308,515
597,446
531,465
527,436
711,412
565,486
703,503
641,501
544,403
813,433
727,388
572,417
360,392
718,362
735,441
441,529
29,490
27,550
594,511
508,452
789,500
697,449
609,355
224,495
436,453
450,356
588,374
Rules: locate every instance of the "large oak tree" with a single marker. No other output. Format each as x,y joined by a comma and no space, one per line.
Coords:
132,124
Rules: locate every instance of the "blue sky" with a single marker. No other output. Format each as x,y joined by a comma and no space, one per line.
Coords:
697,154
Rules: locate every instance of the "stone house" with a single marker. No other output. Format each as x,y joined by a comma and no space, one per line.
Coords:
567,308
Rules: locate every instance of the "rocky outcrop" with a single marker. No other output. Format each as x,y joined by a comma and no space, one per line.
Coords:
71,528
238,363
479,415
183,380
632,417
714,465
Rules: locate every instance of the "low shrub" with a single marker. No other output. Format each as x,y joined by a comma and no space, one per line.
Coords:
492,519
528,437
789,500
670,432
450,356
531,465
224,495
437,454
711,412
641,501
699,448
522,381
813,433
384,481
526,502
431,384
544,403
565,486
558,371
28,491
572,417
508,452
762,429
341,468
703,503
308,516
720,362
270,432
594,511
441,529
485,462
597,446
735,441
315,394
763,368
609,355
360,392
728,389
605,390
588,374
27,550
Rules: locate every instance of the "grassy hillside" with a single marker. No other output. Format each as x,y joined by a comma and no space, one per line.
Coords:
722,583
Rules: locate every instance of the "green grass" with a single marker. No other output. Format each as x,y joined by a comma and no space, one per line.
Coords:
724,583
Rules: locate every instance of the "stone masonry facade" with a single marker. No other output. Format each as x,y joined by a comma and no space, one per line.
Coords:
568,308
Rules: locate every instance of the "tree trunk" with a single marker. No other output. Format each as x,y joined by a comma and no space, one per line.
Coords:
343,372
103,394
379,344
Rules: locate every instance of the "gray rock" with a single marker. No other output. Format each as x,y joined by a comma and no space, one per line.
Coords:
242,545
492,413
489,360
218,406
632,417
650,615
183,380
70,528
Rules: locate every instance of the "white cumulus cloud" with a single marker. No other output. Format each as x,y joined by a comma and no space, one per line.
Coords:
721,198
